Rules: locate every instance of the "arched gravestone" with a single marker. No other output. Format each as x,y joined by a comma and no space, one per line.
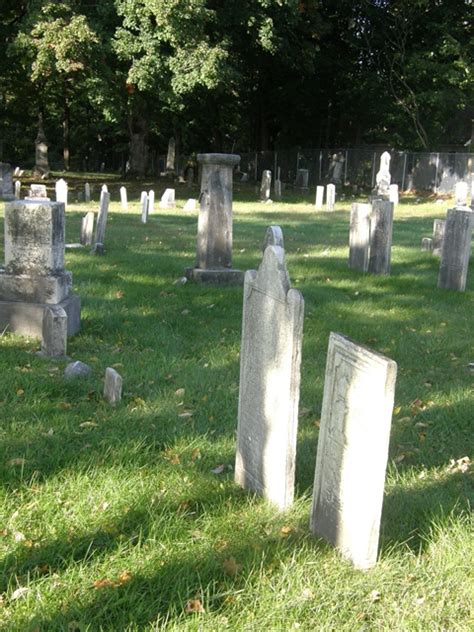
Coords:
273,237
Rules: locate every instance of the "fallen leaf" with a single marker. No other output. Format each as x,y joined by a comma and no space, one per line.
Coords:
397,410
185,312
179,392
459,465
20,392
124,577
399,458
231,567
65,405
285,530
185,415
119,294
103,583
88,424
304,411
104,506
219,469
375,595
19,592
196,454
193,606
18,461
18,536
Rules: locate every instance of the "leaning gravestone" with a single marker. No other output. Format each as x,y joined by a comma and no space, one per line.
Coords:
381,223
273,237
112,386
319,198
266,185
87,229
214,242
6,182
34,277
61,189
151,202
144,206
359,237
168,199
438,236
352,450
98,248
330,197
456,249
272,332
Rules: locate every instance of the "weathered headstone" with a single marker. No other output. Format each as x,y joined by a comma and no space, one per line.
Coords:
54,333
171,156
87,229
302,178
456,251
77,370
104,189
87,192
37,193
34,274
359,237
270,356
277,189
190,205
123,198
61,189
427,244
144,206
352,453
214,242
189,177
151,201
438,236
393,194
168,199
383,178
273,237
319,198
381,223
266,185
112,386
6,182
330,197
98,248
460,193
17,189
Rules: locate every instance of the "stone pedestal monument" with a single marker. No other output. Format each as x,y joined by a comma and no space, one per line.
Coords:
34,279
383,178
214,241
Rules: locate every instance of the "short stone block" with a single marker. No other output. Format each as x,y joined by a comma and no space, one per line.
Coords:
112,386
27,318
35,288
54,338
216,276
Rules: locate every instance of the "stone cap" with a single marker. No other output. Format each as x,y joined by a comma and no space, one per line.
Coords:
219,159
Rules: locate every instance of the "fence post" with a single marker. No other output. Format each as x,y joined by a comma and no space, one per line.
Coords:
256,166
436,174
345,167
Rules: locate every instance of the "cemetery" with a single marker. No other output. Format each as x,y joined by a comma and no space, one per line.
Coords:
236,374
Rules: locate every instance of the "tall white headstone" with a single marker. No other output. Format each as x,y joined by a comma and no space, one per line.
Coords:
460,193
144,206
123,198
151,201
61,191
319,198
330,197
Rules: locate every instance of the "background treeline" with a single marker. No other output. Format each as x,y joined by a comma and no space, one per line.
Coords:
112,80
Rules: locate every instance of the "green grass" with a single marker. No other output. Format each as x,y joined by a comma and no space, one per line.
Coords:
112,519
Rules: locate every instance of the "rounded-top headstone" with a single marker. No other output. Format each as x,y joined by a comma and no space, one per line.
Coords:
219,159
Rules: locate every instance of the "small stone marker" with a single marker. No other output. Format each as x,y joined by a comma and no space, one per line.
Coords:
454,263
168,199
151,201
438,236
76,370
352,453
87,229
319,198
302,178
123,198
272,332
273,237
61,189
144,206
37,193
189,177
381,223
112,386
427,244
359,237
87,192
460,193
54,338
17,189
266,185
98,248
393,194
330,197
191,205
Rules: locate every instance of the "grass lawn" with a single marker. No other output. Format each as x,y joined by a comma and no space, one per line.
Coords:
113,519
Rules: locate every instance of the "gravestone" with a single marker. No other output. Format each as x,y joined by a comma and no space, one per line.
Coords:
330,197
87,229
460,194
277,189
112,386
41,167
359,237
359,389
17,189
189,177
302,178
54,333
171,156
214,241
383,178
144,206
104,189
37,193
151,201
266,185
61,191
190,205
427,244
168,199
87,192
6,182
438,236
123,198
393,194
456,251
34,276
270,356
381,222
273,237
98,248
319,198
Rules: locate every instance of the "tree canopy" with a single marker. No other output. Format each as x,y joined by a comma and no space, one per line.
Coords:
113,80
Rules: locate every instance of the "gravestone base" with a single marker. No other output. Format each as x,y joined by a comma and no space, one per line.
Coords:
26,319
215,276
50,289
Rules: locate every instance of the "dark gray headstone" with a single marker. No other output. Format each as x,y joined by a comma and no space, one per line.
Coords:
381,223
